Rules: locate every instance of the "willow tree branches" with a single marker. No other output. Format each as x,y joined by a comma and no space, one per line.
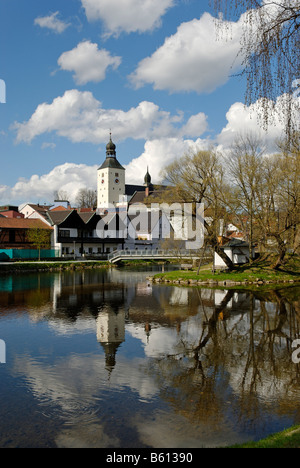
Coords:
271,59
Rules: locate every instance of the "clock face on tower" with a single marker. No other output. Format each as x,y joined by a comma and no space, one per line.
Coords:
102,181
117,181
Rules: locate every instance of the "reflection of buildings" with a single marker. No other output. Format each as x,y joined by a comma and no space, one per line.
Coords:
105,302
111,334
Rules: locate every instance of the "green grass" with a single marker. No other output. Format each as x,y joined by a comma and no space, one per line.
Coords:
50,266
259,271
289,438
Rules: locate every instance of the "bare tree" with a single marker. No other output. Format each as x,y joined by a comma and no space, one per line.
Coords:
61,195
280,216
245,173
199,178
86,198
270,49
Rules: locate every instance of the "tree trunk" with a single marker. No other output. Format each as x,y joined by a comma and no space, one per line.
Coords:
217,249
282,251
201,258
228,262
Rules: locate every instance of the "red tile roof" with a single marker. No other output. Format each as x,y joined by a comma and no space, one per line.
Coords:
14,223
59,208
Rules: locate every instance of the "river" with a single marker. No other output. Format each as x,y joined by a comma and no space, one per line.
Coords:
104,358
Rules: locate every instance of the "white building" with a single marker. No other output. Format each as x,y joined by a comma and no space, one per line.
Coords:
238,252
110,179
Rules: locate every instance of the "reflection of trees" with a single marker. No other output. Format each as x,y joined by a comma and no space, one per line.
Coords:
242,360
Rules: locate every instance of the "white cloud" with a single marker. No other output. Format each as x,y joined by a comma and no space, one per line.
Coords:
80,117
196,125
52,22
88,62
242,119
193,59
159,153
127,15
68,177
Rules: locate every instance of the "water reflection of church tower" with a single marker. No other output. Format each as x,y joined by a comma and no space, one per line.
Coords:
111,334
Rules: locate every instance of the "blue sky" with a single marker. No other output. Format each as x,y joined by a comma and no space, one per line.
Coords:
153,71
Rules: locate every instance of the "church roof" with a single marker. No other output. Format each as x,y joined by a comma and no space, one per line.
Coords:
111,162
111,158
130,189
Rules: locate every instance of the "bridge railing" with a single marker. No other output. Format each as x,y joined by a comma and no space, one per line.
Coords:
152,253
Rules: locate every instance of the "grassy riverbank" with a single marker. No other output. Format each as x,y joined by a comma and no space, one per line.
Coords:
259,273
27,267
289,438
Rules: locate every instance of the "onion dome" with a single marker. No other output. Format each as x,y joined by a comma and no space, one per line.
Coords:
110,148
147,178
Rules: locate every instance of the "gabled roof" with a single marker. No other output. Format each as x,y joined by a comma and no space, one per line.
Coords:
39,208
42,210
22,223
59,217
90,219
73,219
87,216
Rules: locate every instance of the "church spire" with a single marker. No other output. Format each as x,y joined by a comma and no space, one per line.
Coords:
110,148
147,178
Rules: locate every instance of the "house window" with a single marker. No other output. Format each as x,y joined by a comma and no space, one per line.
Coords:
65,233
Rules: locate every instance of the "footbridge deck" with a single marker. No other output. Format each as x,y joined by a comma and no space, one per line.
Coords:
146,254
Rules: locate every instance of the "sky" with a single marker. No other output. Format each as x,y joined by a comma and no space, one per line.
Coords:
158,74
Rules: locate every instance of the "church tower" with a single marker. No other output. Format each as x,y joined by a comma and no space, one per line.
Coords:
111,179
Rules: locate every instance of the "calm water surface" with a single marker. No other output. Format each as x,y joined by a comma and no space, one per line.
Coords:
106,359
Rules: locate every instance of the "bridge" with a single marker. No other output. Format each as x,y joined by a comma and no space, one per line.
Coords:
156,254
